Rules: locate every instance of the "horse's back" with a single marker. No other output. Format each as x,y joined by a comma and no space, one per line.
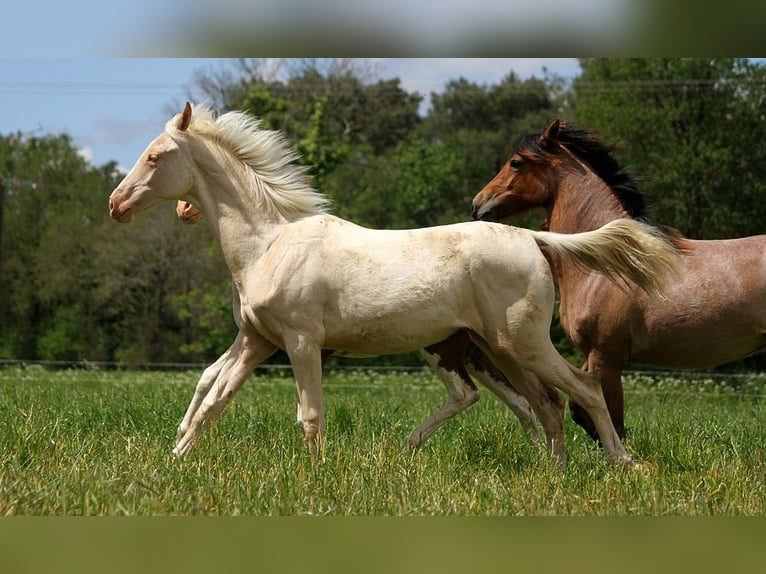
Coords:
739,265
479,242
398,290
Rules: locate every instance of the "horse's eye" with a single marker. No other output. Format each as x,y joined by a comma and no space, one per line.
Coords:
153,157
515,163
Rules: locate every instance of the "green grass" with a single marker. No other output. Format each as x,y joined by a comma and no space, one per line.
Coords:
94,442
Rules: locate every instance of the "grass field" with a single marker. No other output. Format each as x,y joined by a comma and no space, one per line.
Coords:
97,442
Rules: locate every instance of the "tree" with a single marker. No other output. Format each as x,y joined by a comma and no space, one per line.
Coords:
53,199
692,129
152,264
414,185
75,285
327,108
483,124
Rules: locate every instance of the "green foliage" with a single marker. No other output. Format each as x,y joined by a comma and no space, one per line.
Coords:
328,113
414,185
62,339
208,313
97,443
52,202
319,151
76,286
693,129
484,123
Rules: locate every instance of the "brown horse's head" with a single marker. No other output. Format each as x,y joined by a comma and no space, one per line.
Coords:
525,181
187,212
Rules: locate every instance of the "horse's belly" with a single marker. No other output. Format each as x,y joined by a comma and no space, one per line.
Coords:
697,349
384,337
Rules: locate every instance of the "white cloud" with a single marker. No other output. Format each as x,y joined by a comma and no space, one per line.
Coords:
427,75
426,27
119,131
86,153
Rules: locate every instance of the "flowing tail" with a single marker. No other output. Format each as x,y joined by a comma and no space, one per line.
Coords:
622,249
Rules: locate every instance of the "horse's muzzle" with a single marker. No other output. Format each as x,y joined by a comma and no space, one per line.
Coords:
117,212
481,213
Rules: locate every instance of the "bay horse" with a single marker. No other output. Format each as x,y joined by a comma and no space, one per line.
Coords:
713,312
309,282
456,362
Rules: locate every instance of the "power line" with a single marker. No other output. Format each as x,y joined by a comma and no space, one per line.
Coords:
75,88
44,88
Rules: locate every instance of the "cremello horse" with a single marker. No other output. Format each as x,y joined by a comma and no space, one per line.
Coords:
310,282
455,361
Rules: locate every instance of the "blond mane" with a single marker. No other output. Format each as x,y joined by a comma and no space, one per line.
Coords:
278,183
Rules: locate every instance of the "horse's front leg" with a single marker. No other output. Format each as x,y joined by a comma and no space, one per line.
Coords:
209,376
307,361
244,355
298,415
610,375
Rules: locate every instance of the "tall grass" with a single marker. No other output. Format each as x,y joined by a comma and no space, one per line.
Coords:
93,442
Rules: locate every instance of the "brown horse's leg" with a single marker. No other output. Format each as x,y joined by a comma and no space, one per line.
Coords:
610,375
611,385
581,416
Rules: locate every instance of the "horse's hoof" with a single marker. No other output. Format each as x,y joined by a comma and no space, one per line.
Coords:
644,467
639,466
414,442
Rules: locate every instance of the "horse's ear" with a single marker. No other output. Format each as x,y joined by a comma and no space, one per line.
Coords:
185,119
550,133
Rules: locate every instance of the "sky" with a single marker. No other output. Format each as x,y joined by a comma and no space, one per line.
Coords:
113,107
108,73
76,28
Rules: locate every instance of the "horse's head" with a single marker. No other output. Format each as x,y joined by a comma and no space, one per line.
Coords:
187,213
163,172
525,181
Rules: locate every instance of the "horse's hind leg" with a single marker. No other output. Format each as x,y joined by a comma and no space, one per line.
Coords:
481,367
546,403
244,355
447,359
543,360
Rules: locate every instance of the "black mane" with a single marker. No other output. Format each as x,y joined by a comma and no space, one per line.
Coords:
601,159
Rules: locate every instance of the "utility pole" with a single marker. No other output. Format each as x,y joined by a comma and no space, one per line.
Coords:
3,290
2,204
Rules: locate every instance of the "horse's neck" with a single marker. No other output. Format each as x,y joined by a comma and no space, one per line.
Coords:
582,202
243,234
